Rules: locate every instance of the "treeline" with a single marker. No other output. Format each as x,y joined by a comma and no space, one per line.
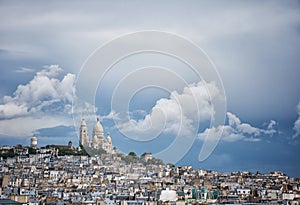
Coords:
133,158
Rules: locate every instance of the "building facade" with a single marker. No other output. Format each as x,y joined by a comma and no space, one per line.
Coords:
98,140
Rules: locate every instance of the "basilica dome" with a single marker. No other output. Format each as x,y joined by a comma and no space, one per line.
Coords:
98,127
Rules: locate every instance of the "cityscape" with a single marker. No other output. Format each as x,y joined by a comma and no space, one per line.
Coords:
149,102
64,174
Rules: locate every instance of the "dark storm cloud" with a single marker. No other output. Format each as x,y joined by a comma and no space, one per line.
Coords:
253,44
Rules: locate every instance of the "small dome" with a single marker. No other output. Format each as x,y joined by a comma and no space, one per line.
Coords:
83,123
108,139
34,141
98,127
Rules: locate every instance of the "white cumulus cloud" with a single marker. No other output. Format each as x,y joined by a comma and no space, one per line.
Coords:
297,123
47,94
237,130
44,90
175,115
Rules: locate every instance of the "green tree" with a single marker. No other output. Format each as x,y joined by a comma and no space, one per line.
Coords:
31,150
155,161
9,153
133,154
130,158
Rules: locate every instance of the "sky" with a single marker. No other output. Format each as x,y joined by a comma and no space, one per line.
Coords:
253,46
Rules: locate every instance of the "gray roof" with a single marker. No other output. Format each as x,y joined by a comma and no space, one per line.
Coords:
8,201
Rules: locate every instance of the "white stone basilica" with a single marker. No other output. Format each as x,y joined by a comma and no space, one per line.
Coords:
98,140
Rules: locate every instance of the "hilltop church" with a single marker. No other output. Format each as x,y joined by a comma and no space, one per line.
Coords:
98,140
